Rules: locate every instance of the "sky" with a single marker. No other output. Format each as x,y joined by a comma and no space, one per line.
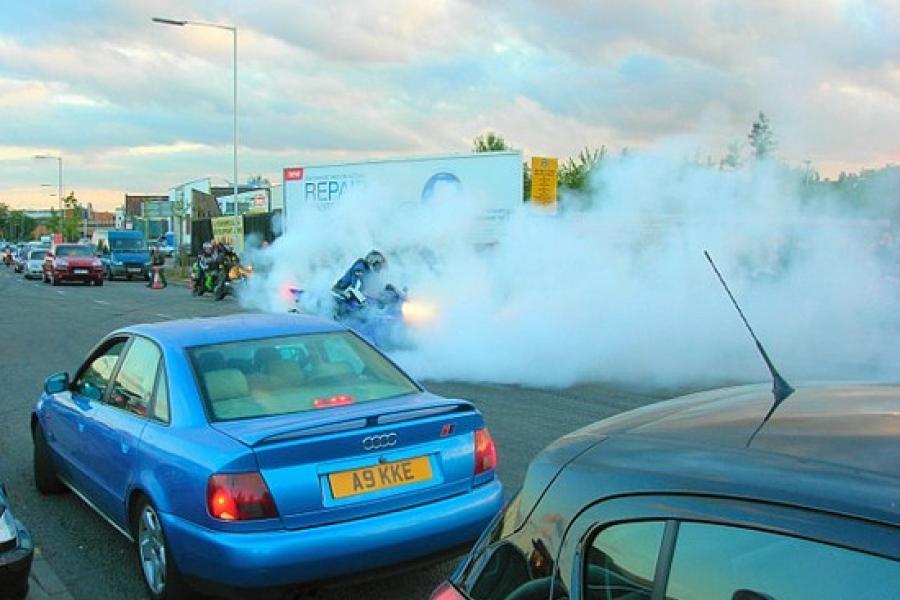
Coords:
139,107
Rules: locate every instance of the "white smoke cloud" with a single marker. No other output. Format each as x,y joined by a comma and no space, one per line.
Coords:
619,289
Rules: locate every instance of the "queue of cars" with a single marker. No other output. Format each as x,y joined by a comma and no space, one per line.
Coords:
125,254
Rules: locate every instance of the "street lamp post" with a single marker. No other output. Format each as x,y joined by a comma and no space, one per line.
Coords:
60,184
233,30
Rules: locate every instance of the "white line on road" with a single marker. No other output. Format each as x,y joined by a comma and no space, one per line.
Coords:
101,301
164,316
60,292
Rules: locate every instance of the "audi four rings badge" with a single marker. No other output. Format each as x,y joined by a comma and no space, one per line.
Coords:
379,442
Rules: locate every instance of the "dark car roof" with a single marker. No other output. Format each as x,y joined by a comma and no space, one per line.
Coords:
829,447
231,328
854,425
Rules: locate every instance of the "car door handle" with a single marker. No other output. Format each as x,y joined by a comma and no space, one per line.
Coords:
80,427
124,447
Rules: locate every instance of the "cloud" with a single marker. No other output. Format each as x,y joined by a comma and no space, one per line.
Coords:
156,149
366,78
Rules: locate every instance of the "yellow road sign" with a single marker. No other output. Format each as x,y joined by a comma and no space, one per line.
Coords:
544,177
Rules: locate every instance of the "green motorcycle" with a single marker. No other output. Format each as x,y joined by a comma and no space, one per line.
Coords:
213,280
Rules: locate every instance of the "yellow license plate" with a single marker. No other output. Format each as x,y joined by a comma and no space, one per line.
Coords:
380,477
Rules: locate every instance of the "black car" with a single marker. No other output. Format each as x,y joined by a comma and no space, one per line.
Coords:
16,551
700,498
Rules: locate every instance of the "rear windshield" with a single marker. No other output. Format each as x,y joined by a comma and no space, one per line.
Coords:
37,255
73,251
128,245
259,378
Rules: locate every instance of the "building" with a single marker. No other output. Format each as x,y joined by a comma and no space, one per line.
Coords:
134,202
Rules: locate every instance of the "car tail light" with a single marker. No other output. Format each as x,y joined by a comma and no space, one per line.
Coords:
485,452
446,591
341,400
239,497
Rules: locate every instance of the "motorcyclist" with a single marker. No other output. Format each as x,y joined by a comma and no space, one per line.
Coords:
207,261
357,283
227,259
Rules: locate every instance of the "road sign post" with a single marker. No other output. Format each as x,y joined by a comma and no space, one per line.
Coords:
544,179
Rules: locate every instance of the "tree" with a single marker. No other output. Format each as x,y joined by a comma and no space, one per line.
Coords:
26,225
574,173
54,223
17,226
4,221
490,142
761,138
732,158
71,221
258,181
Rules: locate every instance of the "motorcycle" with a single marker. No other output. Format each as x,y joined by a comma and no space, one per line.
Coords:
7,258
385,319
220,279
213,281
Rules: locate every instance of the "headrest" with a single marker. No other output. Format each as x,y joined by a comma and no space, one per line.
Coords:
285,373
333,369
225,384
210,361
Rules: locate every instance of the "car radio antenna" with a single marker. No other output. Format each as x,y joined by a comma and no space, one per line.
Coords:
781,389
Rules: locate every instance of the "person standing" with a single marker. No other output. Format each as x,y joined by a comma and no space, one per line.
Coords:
158,262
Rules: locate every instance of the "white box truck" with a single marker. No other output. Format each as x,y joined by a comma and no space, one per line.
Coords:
492,179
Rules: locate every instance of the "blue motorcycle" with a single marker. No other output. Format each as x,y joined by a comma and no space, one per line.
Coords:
379,319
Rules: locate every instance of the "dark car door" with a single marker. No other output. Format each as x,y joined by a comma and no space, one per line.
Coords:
693,548
117,424
67,414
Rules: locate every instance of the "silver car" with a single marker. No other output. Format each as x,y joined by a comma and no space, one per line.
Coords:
34,264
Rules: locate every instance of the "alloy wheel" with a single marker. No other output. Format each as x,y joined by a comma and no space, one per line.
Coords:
152,550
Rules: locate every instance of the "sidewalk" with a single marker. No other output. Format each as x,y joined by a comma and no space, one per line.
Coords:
43,583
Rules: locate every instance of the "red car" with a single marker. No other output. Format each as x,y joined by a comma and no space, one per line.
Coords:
72,262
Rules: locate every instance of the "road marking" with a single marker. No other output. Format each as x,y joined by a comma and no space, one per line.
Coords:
101,301
60,292
164,316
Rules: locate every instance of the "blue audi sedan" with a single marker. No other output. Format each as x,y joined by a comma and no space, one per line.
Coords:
263,453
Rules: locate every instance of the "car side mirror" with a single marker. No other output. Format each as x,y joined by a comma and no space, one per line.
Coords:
56,383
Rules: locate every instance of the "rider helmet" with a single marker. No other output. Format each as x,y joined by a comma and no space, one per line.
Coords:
375,260
207,248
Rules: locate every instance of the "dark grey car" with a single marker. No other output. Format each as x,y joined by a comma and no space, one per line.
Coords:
16,552
685,500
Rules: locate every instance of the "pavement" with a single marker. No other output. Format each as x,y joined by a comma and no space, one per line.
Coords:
44,583
79,556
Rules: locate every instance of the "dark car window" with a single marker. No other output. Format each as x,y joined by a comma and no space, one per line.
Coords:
504,575
714,561
621,560
128,245
76,251
94,379
37,255
133,388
